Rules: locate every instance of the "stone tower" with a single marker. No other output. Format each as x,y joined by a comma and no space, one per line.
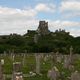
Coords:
43,28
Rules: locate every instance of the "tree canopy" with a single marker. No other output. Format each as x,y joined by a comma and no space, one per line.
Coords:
52,42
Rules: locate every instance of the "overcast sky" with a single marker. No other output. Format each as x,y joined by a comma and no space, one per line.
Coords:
17,16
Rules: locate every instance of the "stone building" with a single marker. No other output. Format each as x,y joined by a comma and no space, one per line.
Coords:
43,28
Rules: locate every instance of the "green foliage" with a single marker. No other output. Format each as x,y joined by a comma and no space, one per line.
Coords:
16,40
55,41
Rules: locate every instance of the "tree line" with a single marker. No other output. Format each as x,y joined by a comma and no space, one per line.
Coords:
55,41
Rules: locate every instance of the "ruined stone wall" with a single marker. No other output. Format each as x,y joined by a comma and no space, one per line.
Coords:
43,28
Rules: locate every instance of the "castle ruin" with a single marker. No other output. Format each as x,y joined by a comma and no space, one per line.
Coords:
43,28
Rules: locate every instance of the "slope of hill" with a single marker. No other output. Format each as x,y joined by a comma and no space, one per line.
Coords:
54,41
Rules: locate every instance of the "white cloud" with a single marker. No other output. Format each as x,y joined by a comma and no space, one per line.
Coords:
64,24
19,21
14,20
13,11
75,15
70,6
45,7
75,32
71,26
70,9
20,26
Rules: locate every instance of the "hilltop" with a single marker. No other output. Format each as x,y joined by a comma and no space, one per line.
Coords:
40,41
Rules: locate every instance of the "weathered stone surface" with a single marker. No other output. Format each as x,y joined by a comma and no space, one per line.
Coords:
75,76
17,67
59,58
53,74
66,61
37,56
1,72
2,61
43,28
17,74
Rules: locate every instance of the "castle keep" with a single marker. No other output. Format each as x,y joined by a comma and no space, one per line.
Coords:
43,28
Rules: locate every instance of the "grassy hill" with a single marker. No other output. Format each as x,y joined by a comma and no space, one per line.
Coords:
54,41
